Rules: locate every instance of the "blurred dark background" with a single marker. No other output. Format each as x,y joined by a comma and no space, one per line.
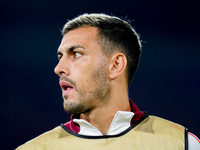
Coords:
167,83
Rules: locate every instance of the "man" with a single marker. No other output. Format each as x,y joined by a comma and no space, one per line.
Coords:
98,57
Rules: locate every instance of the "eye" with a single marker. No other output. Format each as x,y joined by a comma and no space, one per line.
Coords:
59,57
77,54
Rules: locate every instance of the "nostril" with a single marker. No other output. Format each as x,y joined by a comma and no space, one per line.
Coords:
58,70
61,72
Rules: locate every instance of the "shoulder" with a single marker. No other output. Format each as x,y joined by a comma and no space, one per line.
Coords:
164,123
42,139
193,141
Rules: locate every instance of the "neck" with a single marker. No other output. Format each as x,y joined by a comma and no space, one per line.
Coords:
101,117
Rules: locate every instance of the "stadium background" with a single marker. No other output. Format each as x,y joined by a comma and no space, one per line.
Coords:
167,83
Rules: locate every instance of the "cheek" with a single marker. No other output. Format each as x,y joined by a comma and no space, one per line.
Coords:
84,68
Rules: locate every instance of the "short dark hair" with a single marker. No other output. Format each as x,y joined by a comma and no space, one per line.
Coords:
114,34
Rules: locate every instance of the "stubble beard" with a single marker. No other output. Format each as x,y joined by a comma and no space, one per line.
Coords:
88,98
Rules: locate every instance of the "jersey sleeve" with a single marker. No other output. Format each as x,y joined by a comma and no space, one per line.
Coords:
193,142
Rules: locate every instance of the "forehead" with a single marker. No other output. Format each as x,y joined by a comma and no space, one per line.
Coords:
83,36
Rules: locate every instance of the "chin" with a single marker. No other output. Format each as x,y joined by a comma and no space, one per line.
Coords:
73,108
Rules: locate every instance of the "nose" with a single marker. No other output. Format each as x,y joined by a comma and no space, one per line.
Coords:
62,67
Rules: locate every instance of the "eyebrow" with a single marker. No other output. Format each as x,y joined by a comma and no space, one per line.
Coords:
70,49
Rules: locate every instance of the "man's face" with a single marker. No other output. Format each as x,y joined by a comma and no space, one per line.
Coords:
83,71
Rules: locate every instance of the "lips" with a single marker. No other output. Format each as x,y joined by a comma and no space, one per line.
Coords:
66,87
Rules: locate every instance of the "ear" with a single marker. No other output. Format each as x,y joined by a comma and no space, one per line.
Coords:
117,65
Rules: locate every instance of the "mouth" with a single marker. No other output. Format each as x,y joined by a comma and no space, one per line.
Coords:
66,87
